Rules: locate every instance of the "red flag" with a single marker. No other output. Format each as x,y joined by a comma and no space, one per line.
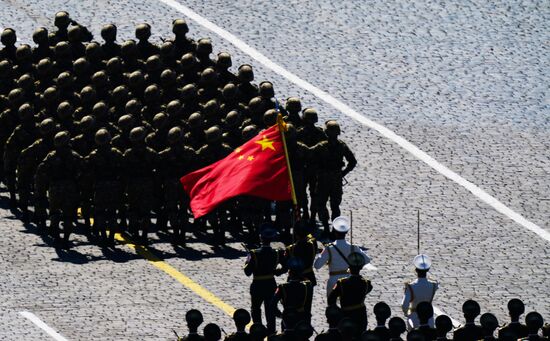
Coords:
257,168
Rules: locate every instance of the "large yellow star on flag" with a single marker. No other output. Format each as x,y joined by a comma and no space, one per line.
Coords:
266,143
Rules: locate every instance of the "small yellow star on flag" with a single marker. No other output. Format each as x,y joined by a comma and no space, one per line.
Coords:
240,157
266,143
238,150
250,158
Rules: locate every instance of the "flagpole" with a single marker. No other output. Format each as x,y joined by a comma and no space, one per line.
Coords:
281,131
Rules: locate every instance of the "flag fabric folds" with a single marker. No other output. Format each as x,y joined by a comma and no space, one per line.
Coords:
257,168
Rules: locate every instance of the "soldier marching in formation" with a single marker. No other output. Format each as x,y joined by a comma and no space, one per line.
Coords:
103,131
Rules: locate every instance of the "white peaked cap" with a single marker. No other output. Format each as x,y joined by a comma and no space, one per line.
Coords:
341,224
422,262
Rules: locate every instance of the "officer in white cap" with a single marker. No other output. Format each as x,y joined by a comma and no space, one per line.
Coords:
336,253
420,290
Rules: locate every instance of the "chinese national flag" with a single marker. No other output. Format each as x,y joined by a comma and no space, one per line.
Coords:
257,168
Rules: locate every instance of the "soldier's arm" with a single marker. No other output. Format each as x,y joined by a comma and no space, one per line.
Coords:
334,294
275,301
406,299
280,270
351,161
321,259
249,265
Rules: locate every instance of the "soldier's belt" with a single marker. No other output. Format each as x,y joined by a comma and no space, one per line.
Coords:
341,272
262,277
353,307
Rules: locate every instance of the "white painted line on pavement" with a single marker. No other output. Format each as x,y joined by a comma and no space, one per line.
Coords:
439,312
49,330
345,109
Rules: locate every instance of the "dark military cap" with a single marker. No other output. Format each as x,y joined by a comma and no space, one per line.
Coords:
212,332
303,330
25,112
241,317
245,73
174,135
516,307
108,32
8,37
87,123
62,19
266,89
293,104
23,53
370,335
224,60
143,31
310,115
396,325
102,137
65,110
295,265
471,308
137,134
382,310
488,321
40,36
61,139
47,126
193,316
268,231
534,321
415,335
179,26
258,331
213,134
356,260
443,324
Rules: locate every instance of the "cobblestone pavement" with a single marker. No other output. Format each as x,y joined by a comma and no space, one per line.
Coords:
466,83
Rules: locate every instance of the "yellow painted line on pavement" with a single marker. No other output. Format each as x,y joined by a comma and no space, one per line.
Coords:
178,276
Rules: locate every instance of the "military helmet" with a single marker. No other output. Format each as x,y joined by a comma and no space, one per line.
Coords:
125,122
309,115
81,66
108,32
152,93
93,51
65,110
100,109
62,19
179,26
74,34
356,260
212,332
204,46
44,66
47,126
128,48
173,107
15,96
8,37
143,31
102,137
136,78
187,60
137,134
249,132
168,78
270,117
382,310
245,73
208,76
293,105
255,105
6,67
224,60
25,112
332,128
159,120
194,317
232,118
241,317
87,123
213,134
88,94
40,36
290,132
175,134
23,53
195,120
114,65
62,49
26,81
266,90
211,108
61,139
471,308
153,63
50,95
167,49
64,80
296,265
189,91
100,79
120,93
132,107
443,324
229,91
